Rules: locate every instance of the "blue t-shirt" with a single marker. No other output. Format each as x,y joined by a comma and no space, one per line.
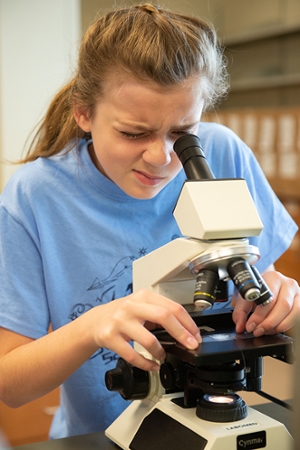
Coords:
68,236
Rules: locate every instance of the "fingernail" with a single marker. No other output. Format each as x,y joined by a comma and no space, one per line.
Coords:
162,357
251,327
154,368
198,338
259,332
191,343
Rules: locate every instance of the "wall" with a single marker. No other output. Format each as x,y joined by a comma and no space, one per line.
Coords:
262,39
38,42
204,8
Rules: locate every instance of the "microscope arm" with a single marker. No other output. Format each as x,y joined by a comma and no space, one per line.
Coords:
171,270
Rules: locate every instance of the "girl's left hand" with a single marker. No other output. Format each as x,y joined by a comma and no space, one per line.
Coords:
276,317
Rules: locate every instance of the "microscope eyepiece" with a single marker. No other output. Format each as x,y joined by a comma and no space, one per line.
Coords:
189,151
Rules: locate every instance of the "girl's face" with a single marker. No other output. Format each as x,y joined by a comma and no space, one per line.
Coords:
134,128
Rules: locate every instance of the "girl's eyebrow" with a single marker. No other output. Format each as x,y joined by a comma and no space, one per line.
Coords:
141,127
135,125
188,125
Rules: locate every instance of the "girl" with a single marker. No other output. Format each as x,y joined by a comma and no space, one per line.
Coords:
97,191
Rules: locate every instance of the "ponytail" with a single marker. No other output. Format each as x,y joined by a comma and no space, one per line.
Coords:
58,128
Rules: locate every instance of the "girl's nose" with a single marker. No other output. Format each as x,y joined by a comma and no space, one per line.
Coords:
158,152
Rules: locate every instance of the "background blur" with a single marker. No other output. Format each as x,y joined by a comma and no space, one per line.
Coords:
38,47
39,41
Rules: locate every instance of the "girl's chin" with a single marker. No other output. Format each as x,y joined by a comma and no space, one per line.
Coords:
142,194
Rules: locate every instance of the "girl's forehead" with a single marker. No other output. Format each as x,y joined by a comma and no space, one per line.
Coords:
146,104
121,82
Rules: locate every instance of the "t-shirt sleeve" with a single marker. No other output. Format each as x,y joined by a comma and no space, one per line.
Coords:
279,228
230,157
23,305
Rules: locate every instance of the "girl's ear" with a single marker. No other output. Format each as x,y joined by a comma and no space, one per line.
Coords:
82,119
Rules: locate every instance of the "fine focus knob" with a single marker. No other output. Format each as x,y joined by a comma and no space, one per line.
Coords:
167,376
132,383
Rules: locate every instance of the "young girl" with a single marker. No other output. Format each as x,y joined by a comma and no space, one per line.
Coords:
97,191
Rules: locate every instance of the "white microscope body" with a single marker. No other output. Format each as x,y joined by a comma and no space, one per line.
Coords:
217,215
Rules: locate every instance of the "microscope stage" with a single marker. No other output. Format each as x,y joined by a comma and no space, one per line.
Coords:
222,344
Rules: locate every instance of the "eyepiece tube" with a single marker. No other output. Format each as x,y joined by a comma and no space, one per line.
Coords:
189,151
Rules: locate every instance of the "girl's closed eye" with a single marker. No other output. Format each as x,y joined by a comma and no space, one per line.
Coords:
133,135
181,132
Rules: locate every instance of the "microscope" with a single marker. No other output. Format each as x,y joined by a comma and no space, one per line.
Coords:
192,403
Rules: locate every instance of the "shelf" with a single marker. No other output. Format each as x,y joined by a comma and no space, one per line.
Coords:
265,82
263,34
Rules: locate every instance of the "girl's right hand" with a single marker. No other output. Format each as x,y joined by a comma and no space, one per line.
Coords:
117,323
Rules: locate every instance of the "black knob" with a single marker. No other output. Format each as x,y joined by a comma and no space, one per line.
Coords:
132,382
114,379
167,376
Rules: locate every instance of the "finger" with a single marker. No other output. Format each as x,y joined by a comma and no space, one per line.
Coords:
177,311
263,320
167,318
279,319
290,320
146,339
181,330
280,314
127,352
240,313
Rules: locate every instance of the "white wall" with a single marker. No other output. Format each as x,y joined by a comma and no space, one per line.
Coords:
38,49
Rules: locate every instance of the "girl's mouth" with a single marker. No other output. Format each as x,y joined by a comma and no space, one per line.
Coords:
147,179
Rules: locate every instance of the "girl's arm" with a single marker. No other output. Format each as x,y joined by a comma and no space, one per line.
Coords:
31,368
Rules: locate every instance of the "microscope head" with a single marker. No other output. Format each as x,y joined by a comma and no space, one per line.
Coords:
217,209
210,208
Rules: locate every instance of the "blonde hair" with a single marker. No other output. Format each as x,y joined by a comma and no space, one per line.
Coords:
145,41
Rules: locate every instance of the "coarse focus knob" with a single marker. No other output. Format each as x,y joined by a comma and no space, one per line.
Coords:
114,379
132,383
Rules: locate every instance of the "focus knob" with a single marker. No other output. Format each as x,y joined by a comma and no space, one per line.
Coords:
114,379
167,376
132,383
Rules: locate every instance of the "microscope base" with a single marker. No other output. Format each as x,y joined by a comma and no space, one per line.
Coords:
163,425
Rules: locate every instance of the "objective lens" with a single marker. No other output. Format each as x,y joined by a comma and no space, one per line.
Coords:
266,295
205,289
244,279
222,292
